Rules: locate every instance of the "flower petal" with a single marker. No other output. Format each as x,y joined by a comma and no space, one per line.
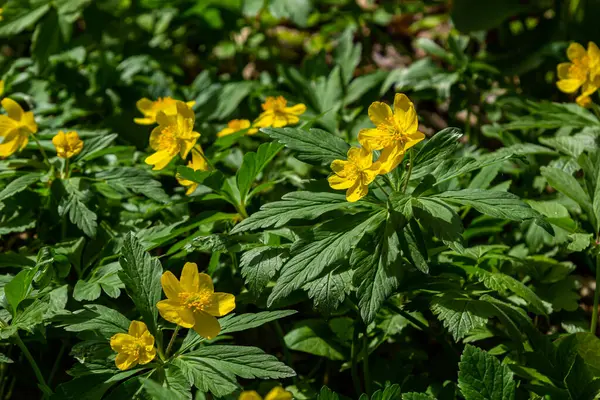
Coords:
12,143
265,119
413,139
357,191
405,114
380,113
7,125
249,395
13,109
137,328
190,281
297,109
144,105
147,356
575,51
562,70
569,85
339,183
220,304
338,166
390,157
206,325
171,286
160,159
118,340
125,361
174,312
144,121
29,122
278,393
374,139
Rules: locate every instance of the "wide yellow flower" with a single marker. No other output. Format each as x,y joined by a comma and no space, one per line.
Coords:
67,144
133,348
150,109
275,113
192,302
198,163
236,125
582,72
174,134
354,174
394,132
15,127
277,393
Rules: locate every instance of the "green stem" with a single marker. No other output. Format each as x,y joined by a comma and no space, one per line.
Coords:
382,188
410,167
366,370
172,341
595,310
37,141
36,369
67,171
354,370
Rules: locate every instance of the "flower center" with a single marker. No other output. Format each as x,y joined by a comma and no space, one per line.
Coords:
393,132
167,140
580,68
195,301
134,348
277,104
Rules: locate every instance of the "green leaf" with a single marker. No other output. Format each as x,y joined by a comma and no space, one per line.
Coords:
377,263
439,147
253,165
229,98
74,205
18,185
214,368
18,19
31,316
160,392
94,317
5,360
391,392
237,323
417,396
359,86
295,205
347,54
141,276
260,264
136,180
93,146
328,291
314,147
460,314
452,168
326,244
295,10
19,288
313,337
494,203
568,185
327,394
103,278
439,217
482,377
47,38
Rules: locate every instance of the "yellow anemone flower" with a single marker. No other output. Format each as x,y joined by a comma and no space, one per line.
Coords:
150,109
133,348
15,127
277,393
277,115
67,144
354,174
192,302
174,134
395,132
198,163
582,72
236,125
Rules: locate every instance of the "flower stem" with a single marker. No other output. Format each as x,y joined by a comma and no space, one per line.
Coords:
37,141
172,341
34,366
595,310
410,167
382,188
67,171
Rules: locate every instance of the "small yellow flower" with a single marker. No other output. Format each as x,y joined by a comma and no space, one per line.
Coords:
354,174
15,127
67,144
277,393
133,348
174,134
1,82
150,109
192,302
582,72
277,115
395,132
236,125
198,163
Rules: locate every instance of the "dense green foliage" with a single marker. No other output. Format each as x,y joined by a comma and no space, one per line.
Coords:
468,271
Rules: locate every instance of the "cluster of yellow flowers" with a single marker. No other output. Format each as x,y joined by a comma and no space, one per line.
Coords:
16,126
395,132
582,72
191,303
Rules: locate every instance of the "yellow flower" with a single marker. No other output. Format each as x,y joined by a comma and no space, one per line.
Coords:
395,132
192,302
236,125
198,163
15,127
133,348
582,72
277,393
174,134
1,81
150,109
67,144
277,115
354,174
